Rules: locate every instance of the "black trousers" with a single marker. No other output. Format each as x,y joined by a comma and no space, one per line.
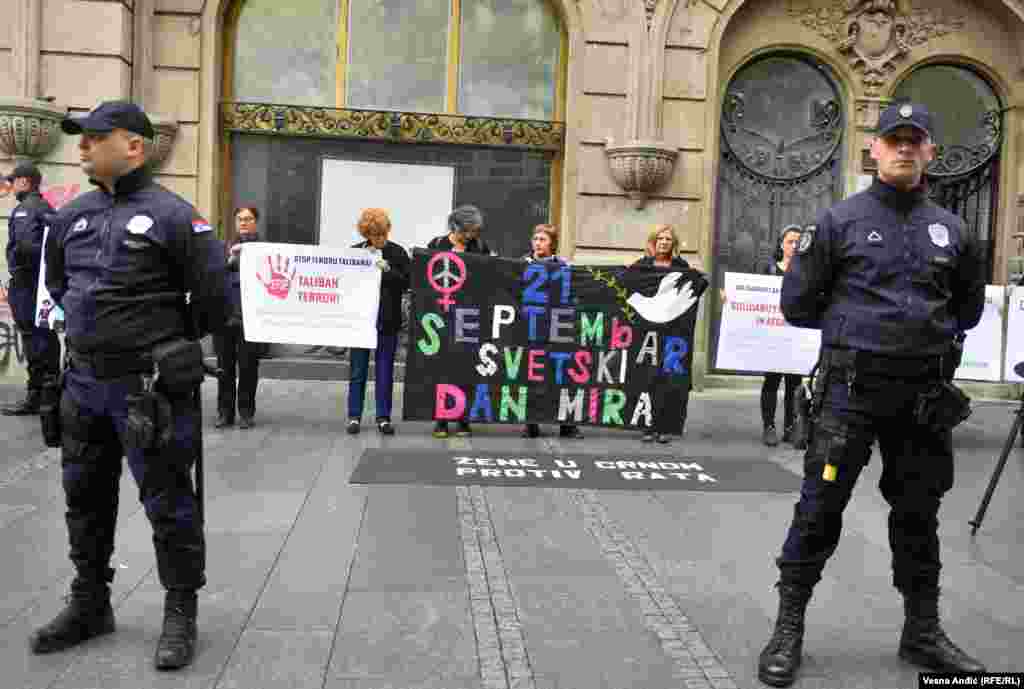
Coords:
770,398
235,353
917,470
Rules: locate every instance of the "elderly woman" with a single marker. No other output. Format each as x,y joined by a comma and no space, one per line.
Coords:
544,244
464,225
233,350
375,226
662,254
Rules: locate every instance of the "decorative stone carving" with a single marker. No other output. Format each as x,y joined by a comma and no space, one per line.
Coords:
874,35
29,128
166,129
649,7
866,112
640,167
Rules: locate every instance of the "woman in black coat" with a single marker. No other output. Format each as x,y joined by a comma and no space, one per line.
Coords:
238,358
464,226
393,261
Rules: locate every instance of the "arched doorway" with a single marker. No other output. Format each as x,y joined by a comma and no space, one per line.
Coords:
964,177
781,160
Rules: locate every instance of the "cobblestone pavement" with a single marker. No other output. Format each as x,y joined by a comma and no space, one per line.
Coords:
317,583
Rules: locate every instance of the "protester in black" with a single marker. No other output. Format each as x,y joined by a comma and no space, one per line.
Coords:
464,226
393,261
890,278
544,243
233,350
662,254
770,388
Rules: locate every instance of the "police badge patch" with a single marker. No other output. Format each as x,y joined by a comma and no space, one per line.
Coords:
939,234
139,224
80,225
806,239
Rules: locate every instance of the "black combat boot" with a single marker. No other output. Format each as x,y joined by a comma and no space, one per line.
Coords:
923,641
87,614
177,643
26,407
780,659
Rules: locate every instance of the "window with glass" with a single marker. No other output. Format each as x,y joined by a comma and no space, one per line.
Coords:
495,58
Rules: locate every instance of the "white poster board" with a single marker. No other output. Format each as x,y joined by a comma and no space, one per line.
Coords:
418,199
48,314
983,348
303,294
753,334
1014,333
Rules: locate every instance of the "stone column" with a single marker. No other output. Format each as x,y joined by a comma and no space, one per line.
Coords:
143,39
27,34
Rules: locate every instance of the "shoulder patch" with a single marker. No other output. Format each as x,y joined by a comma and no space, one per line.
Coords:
806,239
199,226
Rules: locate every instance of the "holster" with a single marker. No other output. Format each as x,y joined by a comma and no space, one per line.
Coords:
942,407
49,410
179,365
150,422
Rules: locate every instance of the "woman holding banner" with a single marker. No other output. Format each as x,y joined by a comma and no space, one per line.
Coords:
662,254
375,226
238,358
544,244
770,388
464,226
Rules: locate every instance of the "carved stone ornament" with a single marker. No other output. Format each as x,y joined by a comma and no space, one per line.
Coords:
874,35
166,129
640,167
29,128
649,7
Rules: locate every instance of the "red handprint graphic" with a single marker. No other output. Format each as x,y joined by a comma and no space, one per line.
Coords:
280,282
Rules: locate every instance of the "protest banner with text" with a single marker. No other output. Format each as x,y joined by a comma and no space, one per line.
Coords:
303,294
502,341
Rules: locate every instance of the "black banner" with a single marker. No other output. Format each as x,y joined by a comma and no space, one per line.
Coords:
501,341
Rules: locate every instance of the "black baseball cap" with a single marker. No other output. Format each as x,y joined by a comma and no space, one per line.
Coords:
906,114
108,116
26,170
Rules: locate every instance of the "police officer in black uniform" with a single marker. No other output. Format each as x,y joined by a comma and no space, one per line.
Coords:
890,278
141,278
24,250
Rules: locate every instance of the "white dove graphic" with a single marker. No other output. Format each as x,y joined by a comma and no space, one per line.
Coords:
668,304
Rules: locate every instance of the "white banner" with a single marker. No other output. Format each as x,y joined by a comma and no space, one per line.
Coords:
303,294
47,313
754,336
983,348
1014,333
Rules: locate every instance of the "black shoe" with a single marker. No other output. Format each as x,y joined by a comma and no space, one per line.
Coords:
246,422
463,430
648,437
223,421
787,434
385,427
353,427
87,615
924,643
769,437
177,644
663,438
532,430
781,657
26,407
570,432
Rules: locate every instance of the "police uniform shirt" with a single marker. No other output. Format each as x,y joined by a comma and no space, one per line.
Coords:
121,264
886,271
25,238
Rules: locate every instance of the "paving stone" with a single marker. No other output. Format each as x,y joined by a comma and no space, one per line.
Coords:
409,634
286,659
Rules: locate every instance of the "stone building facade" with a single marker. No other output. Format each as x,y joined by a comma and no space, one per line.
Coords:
726,118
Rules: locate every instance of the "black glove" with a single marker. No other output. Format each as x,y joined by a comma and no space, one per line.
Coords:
150,422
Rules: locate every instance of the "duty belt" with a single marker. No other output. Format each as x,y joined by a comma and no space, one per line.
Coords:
111,364
869,364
